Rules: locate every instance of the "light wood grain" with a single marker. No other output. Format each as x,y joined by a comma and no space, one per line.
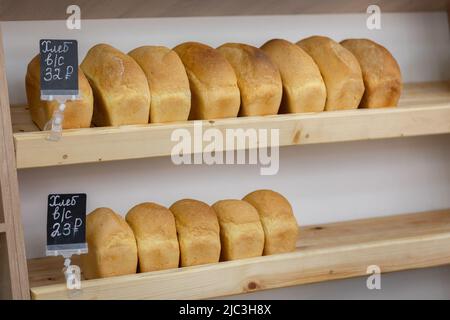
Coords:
324,252
101,9
5,275
9,200
424,110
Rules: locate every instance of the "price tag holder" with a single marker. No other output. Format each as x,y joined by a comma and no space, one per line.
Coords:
58,78
66,232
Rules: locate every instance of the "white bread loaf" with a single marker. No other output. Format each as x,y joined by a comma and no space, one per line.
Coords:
156,236
198,232
121,94
168,83
278,220
213,83
340,71
303,87
258,79
112,246
381,73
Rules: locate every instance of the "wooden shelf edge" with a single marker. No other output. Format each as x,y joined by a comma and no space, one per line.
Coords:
424,110
101,9
325,252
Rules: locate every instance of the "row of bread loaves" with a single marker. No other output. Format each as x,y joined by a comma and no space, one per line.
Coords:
189,233
195,81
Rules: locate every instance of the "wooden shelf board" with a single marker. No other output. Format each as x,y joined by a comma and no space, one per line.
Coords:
324,252
108,9
424,109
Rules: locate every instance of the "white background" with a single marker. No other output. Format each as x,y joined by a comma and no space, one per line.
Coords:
325,183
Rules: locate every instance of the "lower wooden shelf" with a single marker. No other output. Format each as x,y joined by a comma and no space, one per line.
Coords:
324,252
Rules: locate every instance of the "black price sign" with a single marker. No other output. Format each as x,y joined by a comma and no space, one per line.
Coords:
59,67
66,220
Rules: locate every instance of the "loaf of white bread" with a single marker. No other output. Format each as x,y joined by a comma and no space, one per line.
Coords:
167,81
380,71
198,232
303,87
258,79
213,83
121,93
78,113
156,236
340,71
112,246
278,220
241,232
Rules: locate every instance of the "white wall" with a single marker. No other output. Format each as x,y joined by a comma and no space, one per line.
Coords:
324,183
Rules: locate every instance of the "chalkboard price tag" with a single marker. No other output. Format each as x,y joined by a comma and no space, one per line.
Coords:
66,224
59,68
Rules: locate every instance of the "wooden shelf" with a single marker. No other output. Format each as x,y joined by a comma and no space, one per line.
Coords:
109,9
324,252
424,109
2,228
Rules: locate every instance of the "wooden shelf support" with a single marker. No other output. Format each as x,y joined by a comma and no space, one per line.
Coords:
13,266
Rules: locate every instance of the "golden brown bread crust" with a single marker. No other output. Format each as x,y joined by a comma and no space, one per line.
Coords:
303,86
381,73
258,79
112,246
278,221
156,236
213,83
121,94
78,113
198,232
241,232
168,83
340,71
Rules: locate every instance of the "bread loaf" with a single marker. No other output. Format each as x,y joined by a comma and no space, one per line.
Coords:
340,71
121,93
241,232
112,246
258,79
198,232
303,87
156,236
278,221
213,84
78,113
168,83
381,73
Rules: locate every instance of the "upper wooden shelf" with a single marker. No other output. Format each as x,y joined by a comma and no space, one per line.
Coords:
324,252
109,9
424,109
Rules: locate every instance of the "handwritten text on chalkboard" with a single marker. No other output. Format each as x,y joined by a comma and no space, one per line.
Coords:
59,67
66,219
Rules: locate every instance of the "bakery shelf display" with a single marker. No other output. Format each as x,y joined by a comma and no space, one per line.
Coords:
324,252
424,109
